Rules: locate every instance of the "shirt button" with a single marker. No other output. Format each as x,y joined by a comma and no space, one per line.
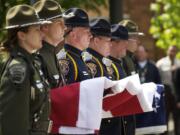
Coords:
109,121
125,122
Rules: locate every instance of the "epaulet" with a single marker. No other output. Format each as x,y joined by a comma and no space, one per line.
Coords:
86,56
61,54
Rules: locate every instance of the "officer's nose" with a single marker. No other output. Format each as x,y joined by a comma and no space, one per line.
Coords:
41,34
90,35
64,26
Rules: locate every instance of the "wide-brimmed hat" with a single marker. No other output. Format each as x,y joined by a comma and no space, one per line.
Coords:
48,9
76,17
22,16
119,32
100,27
132,27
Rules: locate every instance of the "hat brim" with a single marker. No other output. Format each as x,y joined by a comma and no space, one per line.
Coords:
55,17
136,33
101,34
117,38
28,24
77,25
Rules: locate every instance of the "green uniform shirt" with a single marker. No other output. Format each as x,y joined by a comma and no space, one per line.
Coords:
24,98
53,70
129,64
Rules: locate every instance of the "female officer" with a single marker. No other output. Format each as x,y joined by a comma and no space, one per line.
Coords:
24,100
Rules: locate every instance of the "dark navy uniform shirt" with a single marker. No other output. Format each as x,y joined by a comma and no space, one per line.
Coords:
109,125
100,69
118,71
73,66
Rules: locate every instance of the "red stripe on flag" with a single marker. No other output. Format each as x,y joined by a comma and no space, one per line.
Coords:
132,106
64,106
116,100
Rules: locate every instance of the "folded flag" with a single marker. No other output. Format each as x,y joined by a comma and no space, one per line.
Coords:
77,108
153,122
78,105
133,100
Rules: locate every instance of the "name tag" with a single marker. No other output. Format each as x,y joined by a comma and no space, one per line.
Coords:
39,85
56,77
85,73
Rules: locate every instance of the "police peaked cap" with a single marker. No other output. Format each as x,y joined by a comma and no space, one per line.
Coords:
119,32
100,27
76,17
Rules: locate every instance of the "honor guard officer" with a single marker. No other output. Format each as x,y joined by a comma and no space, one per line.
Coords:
53,35
99,48
129,64
24,93
101,66
133,31
77,38
119,40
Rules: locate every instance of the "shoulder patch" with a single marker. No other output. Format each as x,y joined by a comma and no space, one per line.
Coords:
92,68
64,65
17,73
110,70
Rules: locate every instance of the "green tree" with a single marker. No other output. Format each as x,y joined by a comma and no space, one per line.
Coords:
86,4
165,25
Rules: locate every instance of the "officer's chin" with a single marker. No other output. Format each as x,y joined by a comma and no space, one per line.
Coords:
122,55
106,54
85,47
39,46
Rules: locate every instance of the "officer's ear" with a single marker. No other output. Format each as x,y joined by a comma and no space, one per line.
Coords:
96,40
45,28
21,35
73,33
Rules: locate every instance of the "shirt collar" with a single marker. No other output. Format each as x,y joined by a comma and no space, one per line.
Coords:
22,52
49,46
118,61
95,53
142,64
71,48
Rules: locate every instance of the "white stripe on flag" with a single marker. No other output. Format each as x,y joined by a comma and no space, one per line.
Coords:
88,96
75,130
151,130
90,106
